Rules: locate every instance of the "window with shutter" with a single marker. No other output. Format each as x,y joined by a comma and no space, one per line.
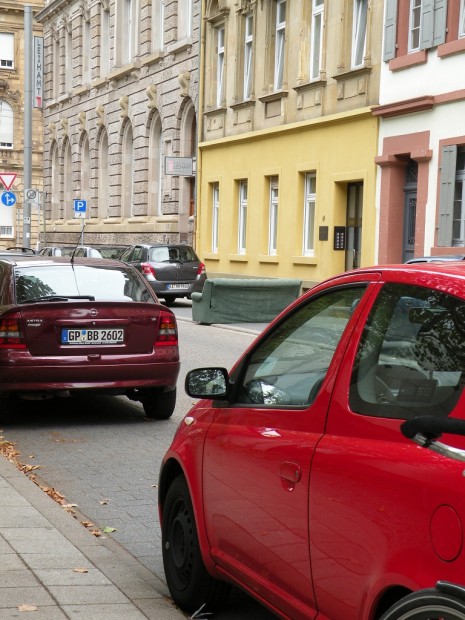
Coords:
446,197
7,52
6,125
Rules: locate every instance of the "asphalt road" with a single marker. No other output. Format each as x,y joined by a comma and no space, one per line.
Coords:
103,455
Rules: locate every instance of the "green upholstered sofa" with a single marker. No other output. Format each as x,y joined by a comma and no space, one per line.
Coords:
238,300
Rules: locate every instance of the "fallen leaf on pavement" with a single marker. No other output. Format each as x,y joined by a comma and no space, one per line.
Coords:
96,533
108,530
81,570
27,608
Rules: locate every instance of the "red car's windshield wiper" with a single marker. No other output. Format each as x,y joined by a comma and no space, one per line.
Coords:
34,300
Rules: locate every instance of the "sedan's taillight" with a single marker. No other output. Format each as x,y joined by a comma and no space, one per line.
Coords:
11,335
201,270
148,270
167,330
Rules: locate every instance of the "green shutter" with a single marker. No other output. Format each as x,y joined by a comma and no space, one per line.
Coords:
427,24
440,17
446,196
390,25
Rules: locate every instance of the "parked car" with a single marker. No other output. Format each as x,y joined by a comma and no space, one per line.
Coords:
86,326
172,269
69,250
18,249
291,478
110,251
437,259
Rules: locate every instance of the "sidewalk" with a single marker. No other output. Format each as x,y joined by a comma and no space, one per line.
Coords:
55,569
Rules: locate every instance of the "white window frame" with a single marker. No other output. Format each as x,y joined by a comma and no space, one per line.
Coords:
7,50
68,60
308,248
316,42
129,29
158,25
242,219
280,40
359,32
273,217
86,45
7,125
184,19
459,203
220,55
104,41
462,20
215,216
414,26
248,55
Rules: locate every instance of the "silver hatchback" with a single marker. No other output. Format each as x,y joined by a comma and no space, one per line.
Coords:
172,269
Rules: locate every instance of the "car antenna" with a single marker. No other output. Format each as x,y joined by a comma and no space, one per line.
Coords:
80,242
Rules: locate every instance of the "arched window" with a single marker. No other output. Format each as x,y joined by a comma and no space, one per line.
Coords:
67,181
155,179
55,204
85,193
127,176
6,125
103,175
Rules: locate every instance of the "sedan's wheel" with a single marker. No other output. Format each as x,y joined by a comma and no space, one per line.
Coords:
427,605
190,584
158,404
169,301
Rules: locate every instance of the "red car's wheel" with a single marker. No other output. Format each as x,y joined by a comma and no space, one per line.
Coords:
190,585
427,605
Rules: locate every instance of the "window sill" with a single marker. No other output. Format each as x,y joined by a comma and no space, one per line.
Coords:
351,73
304,260
316,84
211,257
268,258
179,46
215,111
241,105
453,47
409,60
276,96
131,70
153,58
238,258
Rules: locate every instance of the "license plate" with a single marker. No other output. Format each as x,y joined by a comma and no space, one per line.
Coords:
92,336
177,287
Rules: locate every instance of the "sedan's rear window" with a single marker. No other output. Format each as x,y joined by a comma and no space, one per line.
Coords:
100,283
165,253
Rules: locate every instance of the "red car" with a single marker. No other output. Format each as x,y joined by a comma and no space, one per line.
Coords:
296,477
70,326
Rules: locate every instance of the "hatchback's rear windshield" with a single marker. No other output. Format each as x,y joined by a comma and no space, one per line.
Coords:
165,253
100,283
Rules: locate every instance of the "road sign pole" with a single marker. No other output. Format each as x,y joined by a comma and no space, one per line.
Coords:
27,175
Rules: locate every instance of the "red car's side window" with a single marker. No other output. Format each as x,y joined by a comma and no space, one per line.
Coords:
288,367
411,357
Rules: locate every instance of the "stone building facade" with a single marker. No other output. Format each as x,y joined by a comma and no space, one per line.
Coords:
121,95
12,122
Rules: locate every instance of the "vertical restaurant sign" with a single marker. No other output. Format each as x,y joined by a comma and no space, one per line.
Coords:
38,72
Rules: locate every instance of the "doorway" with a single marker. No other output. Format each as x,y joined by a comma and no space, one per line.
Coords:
410,210
354,225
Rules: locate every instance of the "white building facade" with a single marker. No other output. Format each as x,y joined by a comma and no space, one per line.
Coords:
121,91
421,152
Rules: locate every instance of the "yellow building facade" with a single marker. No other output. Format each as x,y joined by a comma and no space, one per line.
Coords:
286,172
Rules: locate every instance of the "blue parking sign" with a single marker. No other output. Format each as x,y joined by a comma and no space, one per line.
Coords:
80,208
8,199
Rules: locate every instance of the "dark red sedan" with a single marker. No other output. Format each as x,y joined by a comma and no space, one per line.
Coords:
74,325
312,476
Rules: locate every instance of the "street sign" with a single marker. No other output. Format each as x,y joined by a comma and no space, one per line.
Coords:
7,178
8,199
179,166
80,208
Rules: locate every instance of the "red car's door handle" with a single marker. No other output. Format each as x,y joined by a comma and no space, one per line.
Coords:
290,471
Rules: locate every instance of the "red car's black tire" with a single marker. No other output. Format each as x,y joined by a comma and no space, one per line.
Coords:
189,583
427,605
